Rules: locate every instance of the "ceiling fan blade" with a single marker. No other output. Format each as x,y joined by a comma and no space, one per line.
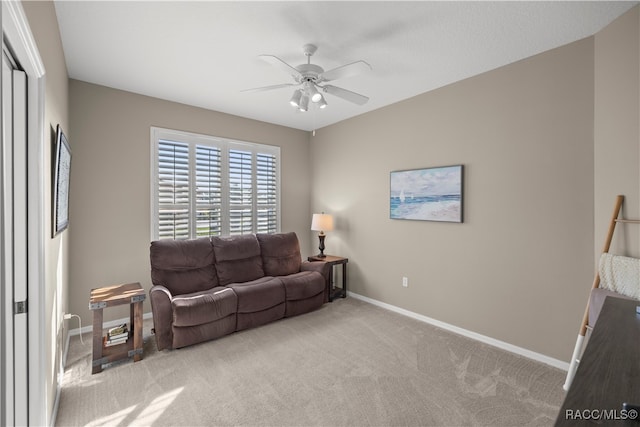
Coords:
263,88
347,95
345,71
279,63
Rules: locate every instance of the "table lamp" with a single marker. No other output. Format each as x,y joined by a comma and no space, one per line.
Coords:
321,222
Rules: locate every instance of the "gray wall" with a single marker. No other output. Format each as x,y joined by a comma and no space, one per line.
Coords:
547,143
110,185
616,131
519,267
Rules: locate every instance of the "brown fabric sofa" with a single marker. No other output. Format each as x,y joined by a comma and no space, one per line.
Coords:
210,287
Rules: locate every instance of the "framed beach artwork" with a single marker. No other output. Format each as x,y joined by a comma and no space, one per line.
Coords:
430,194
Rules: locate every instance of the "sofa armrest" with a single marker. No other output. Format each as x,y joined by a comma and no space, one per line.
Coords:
322,268
319,266
162,316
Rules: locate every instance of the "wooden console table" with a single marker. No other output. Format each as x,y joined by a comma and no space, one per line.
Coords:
609,371
333,261
111,296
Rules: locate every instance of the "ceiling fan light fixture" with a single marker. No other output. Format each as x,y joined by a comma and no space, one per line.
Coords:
311,81
304,102
295,98
313,92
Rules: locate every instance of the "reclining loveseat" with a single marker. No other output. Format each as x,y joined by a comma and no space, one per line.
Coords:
209,287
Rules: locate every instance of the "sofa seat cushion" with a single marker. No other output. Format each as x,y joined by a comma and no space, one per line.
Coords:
259,318
303,285
258,295
184,336
203,307
301,306
280,253
237,258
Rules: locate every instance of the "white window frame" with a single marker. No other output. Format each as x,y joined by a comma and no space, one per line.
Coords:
225,145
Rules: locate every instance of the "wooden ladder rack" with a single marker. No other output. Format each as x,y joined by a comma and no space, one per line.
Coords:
575,359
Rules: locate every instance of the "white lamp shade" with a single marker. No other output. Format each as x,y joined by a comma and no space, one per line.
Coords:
322,103
295,99
312,92
322,222
304,102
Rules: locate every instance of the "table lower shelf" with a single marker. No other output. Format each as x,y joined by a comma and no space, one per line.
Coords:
337,293
117,352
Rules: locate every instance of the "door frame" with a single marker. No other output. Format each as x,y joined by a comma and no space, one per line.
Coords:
18,36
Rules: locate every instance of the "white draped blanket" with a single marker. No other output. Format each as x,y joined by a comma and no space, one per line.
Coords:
620,274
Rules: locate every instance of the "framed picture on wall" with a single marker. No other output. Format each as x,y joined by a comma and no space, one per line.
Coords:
61,175
429,194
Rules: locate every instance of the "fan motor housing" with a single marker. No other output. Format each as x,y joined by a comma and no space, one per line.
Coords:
310,72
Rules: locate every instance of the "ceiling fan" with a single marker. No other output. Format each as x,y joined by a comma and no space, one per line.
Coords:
312,78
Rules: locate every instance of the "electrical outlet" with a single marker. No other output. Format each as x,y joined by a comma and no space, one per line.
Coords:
405,282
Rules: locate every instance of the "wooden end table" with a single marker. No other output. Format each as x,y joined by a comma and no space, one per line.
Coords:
111,296
333,260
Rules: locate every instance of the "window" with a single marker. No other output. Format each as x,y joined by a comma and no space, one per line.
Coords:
208,186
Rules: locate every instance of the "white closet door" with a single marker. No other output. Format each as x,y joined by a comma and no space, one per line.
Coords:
6,246
13,249
20,325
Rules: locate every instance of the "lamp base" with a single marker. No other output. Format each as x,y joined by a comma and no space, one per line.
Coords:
321,247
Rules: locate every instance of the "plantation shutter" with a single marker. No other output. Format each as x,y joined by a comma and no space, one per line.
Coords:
240,192
206,186
173,190
208,191
267,193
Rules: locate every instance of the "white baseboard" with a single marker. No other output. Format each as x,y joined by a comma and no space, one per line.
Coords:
56,404
469,334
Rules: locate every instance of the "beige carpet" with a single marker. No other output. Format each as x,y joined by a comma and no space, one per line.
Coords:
347,364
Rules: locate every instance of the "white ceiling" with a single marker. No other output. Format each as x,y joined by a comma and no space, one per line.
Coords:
204,53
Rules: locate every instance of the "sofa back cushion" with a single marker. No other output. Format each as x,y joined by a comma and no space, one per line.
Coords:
280,253
237,259
183,266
